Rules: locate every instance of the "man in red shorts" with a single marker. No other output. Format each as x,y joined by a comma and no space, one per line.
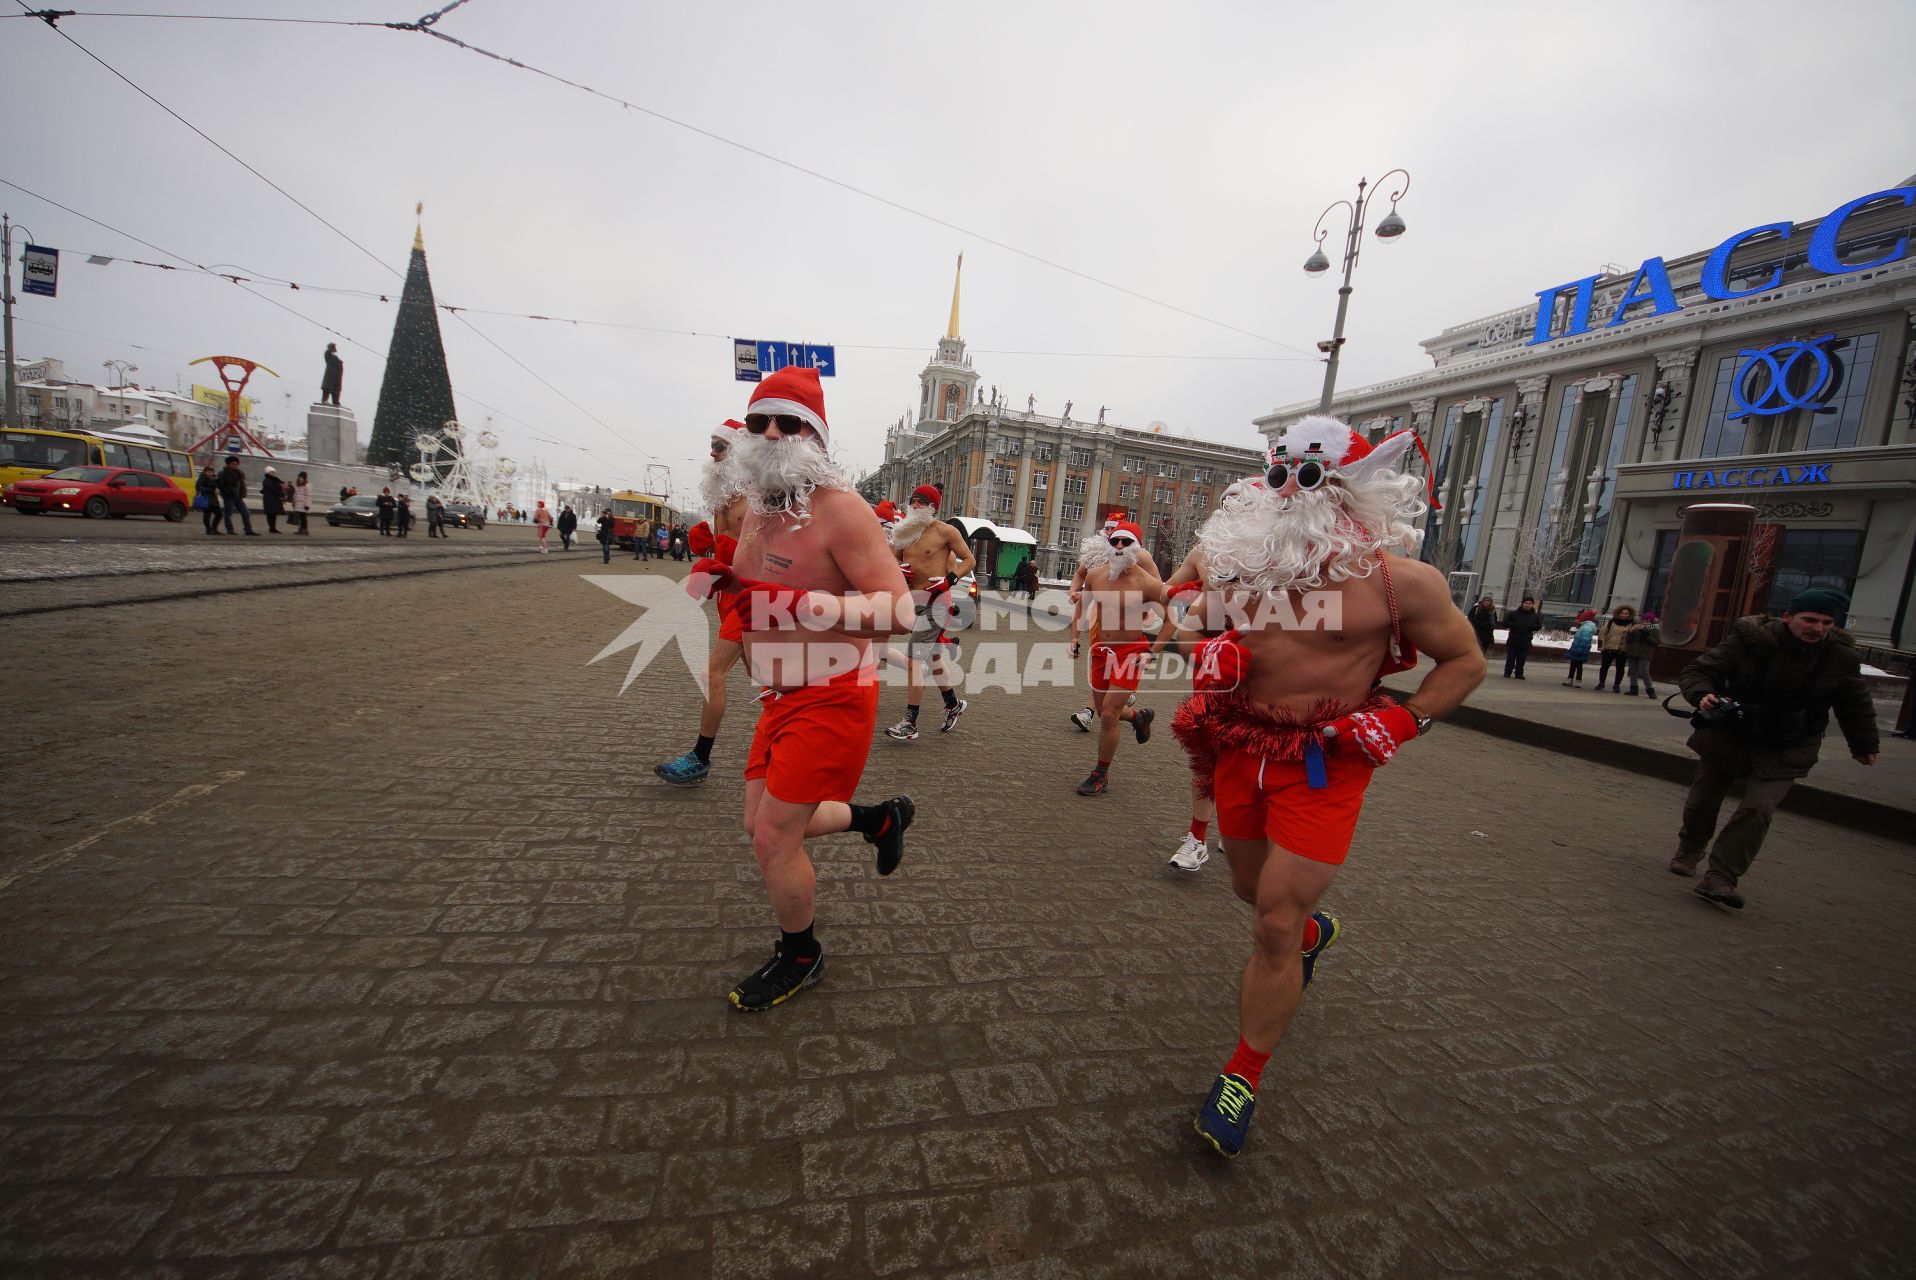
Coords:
1113,604
722,489
1308,608
933,557
815,584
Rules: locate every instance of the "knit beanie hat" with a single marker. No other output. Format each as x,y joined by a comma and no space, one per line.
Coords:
1821,600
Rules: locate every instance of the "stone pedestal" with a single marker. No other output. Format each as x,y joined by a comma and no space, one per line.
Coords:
332,434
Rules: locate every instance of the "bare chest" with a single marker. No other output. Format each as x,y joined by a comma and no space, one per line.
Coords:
780,549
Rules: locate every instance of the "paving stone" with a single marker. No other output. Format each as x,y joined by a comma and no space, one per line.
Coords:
431,1204
585,1189
92,1222
399,1137
556,1129
72,1152
252,1144
374,1082
225,1219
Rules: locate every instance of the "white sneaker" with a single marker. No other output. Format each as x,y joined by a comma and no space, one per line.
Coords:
903,731
1083,719
1191,855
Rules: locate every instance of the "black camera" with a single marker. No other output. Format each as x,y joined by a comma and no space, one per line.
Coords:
1722,710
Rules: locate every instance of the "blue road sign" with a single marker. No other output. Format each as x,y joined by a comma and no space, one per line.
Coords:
824,359
745,360
752,360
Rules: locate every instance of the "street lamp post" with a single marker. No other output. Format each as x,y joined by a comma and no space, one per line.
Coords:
1388,229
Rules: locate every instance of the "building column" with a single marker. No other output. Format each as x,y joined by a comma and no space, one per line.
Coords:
1675,373
1021,494
1054,510
1513,470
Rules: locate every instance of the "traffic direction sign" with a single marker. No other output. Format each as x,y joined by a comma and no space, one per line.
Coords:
753,359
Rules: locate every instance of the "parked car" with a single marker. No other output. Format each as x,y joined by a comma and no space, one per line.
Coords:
464,515
362,509
99,492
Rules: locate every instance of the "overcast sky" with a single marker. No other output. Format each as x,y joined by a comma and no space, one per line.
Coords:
1181,152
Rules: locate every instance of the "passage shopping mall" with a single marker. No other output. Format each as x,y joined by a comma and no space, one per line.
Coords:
1775,368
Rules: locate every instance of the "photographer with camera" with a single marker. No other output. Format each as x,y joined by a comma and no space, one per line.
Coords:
1763,699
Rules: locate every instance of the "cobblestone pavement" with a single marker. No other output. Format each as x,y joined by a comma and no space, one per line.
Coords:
376,951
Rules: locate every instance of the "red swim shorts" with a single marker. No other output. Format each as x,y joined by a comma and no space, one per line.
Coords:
731,624
811,743
1117,666
1259,797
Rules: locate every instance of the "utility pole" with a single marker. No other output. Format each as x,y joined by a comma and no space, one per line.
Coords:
6,303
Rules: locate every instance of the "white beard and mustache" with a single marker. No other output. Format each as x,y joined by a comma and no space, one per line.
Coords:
779,476
1096,552
1312,539
906,529
721,481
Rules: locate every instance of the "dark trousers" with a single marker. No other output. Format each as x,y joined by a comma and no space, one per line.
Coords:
272,519
1640,670
229,506
605,547
1576,671
385,524
1603,668
1737,844
211,515
1516,652
565,539
435,528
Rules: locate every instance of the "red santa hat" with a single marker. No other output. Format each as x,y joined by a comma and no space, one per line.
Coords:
797,392
886,511
1126,527
1329,440
927,493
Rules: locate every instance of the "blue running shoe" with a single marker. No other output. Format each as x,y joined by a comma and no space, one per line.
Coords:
1328,927
685,771
1225,1117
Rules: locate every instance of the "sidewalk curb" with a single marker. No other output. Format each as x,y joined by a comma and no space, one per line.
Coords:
1869,816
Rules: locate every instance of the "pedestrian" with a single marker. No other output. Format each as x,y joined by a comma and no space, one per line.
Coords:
386,508
402,515
663,537
344,493
642,539
1640,645
435,517
815,721
1483,621
605,536
303,503
543,519
934,556
1580,641
679,544
1763,699
233,496
206,496
1520,628
568,525
272,498
1611,638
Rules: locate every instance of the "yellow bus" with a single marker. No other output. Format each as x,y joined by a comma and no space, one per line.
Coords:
29,453
629,507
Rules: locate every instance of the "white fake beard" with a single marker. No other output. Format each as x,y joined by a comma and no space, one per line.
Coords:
721,482
1309,540
905,529
1122,560
1094,553
780,475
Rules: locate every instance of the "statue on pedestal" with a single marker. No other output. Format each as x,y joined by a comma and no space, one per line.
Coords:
1101,409
335,373
1031,404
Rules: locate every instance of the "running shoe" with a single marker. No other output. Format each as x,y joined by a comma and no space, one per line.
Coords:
1225,1118
1328,927
903,731
685,771
1093,785
1718,888
1083,719
1191,855
952,713
1141,723
890,840
777,980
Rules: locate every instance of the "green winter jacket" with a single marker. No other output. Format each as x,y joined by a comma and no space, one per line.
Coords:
1787,690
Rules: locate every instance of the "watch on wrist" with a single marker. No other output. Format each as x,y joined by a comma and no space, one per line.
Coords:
1423,723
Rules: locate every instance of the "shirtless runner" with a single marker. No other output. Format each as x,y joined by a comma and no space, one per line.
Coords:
934,556
722,489
1113,602
816,585
1308,609
1094,552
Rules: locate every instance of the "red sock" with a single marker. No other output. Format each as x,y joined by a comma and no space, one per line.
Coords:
1103,765
1247,1062
1198,827
1310,933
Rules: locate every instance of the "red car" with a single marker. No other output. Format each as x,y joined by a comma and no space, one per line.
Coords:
99,492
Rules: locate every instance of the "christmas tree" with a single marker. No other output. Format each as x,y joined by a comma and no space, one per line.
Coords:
416,395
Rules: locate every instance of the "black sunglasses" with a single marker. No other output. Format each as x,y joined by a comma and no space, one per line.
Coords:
788,424
1124,541
1310,475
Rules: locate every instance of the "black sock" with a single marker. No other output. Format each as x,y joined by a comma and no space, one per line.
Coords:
703,750
868,820
799,946
951,699
911,715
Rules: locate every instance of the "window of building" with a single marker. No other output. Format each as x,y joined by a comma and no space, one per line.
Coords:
1081,457
1201,475
1074,484
1001,503
1134,464
1832,419
1035,510
1041,479
1072,512
1163,497
1128,491
1041,451
1660,569
1001,474
1814,558
1167,470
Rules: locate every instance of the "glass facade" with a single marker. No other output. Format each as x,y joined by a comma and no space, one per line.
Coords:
1833,410
1814,558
